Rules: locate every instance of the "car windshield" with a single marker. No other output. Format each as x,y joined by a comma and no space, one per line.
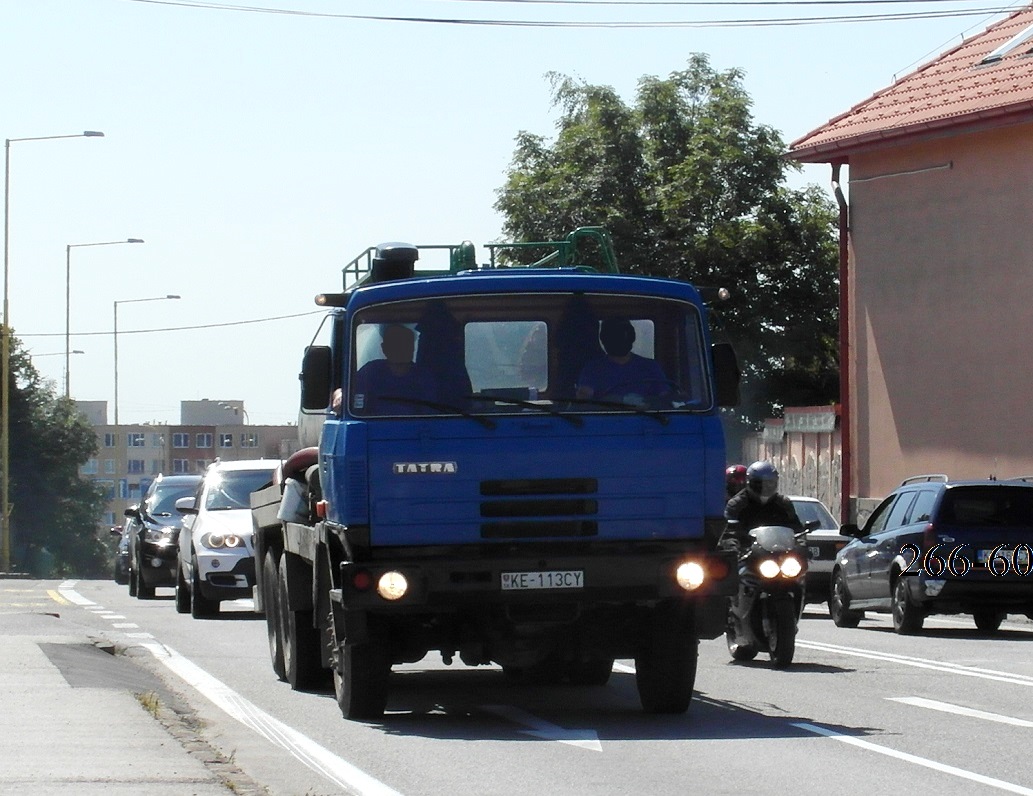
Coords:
231,489
163,502
811,510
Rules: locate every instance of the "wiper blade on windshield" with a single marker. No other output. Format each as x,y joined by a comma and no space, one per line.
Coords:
574,420
662,419
484,421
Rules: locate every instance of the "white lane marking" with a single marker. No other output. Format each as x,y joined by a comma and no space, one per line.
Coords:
319,759
918,761
124,624
316,757
585,739
66,591
922,663
947,707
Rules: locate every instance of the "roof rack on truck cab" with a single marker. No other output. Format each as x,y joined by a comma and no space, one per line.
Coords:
390,261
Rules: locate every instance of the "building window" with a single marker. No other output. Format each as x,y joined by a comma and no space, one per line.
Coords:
135,466
108,518
201,465
157,440
135,439
249,440
134,492
180,440
181,466
110,440
108,487
123,489
226,440
204,441
90,468
109,466
155,466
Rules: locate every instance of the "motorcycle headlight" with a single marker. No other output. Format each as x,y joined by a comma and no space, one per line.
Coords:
791,567
769,568
220,541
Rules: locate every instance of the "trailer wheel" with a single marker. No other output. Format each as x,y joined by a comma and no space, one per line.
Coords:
361,673
273,626
665,667
302,664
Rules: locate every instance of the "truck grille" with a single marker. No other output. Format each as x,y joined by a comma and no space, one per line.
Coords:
541,507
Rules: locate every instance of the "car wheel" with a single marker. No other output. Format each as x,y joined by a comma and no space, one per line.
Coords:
200,606
143,591
907,617
133,581
839,598
273,625
182,591
988,620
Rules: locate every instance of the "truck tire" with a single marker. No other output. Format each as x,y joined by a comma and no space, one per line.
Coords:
200,606
302,663
273,625
665,666
782,638
361,673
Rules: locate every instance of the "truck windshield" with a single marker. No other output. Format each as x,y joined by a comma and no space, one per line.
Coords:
511,353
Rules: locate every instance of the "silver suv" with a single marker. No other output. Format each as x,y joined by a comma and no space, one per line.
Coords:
937,546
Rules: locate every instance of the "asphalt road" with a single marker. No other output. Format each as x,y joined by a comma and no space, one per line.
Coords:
861,711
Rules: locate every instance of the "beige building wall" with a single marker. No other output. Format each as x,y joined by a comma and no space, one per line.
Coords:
942,267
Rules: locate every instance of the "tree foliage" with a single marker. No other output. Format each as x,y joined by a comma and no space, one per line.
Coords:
690,187
55,512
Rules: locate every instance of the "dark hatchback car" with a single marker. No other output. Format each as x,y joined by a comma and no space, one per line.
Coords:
153,546
823,540
936,546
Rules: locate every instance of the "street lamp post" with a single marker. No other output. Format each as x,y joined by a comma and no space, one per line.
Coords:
127,301
68,301
5,353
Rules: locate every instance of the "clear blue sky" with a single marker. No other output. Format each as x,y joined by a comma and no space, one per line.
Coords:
256,153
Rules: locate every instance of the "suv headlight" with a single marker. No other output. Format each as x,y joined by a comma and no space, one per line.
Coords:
221,541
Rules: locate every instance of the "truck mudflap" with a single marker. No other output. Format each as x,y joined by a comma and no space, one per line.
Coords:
433,585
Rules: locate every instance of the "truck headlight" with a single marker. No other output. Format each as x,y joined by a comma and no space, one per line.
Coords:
392,585
690,575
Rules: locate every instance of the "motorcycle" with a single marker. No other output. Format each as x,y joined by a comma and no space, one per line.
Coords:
765,614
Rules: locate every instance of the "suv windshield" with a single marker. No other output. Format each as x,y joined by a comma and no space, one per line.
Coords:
231,489
988,505
162,502
497,354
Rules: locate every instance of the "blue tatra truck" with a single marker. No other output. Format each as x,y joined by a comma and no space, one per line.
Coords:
490,473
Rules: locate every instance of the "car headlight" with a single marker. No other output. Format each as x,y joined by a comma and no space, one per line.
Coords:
221,541
160,535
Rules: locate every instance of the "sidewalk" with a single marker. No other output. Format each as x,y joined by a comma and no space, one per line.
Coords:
76,719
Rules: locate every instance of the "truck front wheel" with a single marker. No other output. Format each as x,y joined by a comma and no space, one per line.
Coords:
361,673
665,666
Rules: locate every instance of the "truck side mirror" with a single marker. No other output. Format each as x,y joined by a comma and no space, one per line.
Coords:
726,374
315,378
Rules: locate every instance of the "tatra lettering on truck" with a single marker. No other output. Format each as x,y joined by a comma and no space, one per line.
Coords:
509,464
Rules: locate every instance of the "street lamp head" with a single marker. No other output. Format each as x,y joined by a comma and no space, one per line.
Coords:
170,296
134,240
93,133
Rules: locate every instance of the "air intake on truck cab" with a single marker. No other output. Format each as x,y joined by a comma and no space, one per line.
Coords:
393,261
540,507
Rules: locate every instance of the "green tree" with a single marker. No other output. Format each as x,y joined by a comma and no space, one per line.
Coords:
692,188
55,513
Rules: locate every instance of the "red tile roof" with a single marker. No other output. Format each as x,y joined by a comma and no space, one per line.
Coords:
955,93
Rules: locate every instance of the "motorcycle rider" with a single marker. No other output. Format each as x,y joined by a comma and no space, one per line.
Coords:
735,480
759,503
